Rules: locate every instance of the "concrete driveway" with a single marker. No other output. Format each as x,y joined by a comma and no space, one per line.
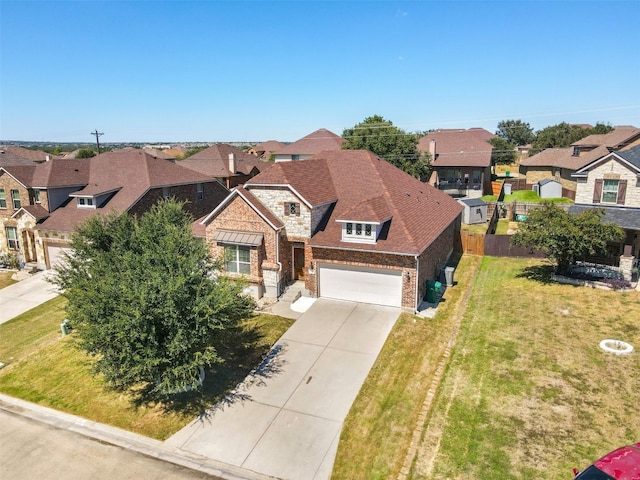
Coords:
25,295
285,419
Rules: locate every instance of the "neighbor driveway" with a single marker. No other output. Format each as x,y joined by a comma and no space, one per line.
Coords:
25,295
285,419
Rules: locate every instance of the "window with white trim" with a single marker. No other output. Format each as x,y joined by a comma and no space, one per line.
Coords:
15,198
237,259
86,202
354,231
610,191
3,198
200,190
12,238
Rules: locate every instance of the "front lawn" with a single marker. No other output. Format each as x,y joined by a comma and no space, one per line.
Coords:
45,368
5,278
527,392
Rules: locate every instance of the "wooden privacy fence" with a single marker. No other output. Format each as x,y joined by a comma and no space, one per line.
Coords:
472,243
500,246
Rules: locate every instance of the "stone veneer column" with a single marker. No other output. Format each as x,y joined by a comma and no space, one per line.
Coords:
626,265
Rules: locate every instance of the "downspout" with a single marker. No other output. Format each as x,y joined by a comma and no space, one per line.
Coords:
278,258
416,304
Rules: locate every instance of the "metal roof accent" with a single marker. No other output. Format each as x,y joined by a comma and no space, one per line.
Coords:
238,238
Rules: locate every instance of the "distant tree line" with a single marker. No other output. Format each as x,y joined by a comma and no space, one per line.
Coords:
515,133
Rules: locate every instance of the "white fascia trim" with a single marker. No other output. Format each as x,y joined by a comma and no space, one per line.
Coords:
227,200
9,173
607,157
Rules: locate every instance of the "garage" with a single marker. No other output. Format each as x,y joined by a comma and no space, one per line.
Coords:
55,254
360,284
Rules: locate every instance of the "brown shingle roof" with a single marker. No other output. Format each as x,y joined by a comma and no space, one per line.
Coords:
269,146
563,158
615,139
298,174
8,158
364,184
459,147
214,161
56,173
37,211
315,142
33,155
128,173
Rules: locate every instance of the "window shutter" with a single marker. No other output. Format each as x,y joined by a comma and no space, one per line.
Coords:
622,191
597,191
298,209
286,209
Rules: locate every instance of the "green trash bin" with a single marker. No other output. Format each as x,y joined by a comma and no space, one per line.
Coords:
433,287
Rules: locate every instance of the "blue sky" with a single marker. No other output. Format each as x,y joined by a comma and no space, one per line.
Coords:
256,70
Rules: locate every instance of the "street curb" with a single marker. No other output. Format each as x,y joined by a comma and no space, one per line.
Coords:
126,440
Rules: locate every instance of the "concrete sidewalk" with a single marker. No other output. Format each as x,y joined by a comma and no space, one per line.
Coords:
25,295
285,419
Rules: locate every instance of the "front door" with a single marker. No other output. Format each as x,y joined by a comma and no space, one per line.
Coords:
298,262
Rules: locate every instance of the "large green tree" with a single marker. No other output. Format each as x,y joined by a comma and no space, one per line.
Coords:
145,301
515,132
503,153
393,144
566,238
563,135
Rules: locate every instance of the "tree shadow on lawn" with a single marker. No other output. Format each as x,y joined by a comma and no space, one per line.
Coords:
246,355
538,273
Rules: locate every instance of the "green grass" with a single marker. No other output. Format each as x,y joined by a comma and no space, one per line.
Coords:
525,196
46,368
31,331
527,392
502,227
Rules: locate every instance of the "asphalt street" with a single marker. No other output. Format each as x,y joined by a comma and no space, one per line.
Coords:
34,450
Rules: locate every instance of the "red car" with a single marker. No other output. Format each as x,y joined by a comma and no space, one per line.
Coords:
621,464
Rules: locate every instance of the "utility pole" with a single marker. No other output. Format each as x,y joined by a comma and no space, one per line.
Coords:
97,134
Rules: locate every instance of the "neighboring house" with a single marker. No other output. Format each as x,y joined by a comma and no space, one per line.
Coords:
348,223
226,163
461,160
613,184
36,156
316,142
561,163
40,205
266,150
9,158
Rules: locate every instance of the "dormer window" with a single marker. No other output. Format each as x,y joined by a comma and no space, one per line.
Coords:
36,195
86,202
291,209
358,232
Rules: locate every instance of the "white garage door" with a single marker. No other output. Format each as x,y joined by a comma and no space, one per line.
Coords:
360,284
56,254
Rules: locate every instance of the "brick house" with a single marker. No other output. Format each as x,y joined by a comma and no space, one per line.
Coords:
40,205
560,164
319,141
228,164
348,223
612,183
461,160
